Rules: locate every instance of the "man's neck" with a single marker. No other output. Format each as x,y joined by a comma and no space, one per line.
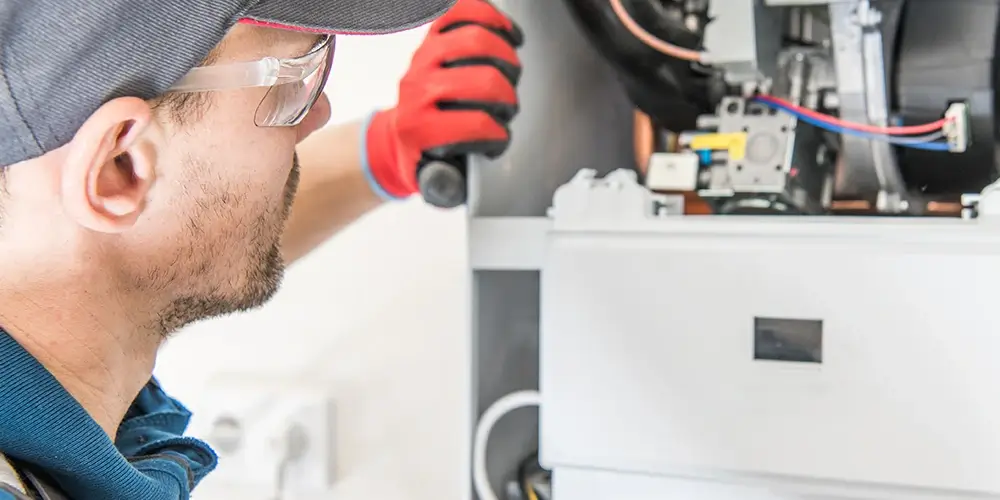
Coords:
87,342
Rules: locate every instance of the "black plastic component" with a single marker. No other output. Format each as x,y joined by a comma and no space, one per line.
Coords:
751,204
672,92
443,183
947,53
786,339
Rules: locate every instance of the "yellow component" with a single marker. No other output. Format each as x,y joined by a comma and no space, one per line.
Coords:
735,143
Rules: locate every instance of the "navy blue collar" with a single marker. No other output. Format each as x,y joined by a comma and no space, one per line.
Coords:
43,425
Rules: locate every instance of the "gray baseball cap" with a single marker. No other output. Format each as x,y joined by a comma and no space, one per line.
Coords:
60,60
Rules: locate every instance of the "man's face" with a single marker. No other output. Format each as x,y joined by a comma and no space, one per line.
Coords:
210,236
187,222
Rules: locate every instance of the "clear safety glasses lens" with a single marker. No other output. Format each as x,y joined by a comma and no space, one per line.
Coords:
287,104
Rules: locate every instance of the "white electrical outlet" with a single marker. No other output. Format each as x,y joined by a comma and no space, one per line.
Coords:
248,422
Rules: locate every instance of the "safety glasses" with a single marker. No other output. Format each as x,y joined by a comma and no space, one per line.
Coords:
295,83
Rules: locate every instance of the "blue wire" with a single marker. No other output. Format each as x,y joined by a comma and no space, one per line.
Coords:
915,143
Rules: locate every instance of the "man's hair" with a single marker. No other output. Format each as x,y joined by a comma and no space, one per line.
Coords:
183,108
188,107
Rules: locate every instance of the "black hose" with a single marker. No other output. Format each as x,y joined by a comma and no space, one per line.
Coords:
670,91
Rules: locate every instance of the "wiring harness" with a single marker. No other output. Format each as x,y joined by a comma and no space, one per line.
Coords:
533,481
930,138
927,137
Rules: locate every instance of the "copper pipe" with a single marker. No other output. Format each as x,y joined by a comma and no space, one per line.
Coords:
645,141
944,208
649,39
854,205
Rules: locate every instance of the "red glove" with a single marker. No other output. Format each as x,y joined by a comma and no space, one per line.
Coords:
457,98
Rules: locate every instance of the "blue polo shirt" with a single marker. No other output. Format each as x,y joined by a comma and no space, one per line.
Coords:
42,424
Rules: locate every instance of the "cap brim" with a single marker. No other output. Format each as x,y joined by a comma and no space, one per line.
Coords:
349,17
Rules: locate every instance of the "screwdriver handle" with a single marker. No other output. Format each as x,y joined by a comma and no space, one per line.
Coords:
443,182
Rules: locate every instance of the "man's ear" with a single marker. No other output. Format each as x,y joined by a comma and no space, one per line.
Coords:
111,166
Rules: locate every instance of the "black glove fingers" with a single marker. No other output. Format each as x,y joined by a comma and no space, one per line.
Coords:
500,112
474,44
511,72
487,148
484,14
513,35
477,86
468,72
460,132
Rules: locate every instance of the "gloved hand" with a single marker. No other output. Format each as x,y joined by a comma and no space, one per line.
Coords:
457,98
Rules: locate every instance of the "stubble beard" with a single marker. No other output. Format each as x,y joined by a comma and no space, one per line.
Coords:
265,269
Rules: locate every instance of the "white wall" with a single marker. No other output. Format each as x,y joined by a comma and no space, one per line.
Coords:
376,314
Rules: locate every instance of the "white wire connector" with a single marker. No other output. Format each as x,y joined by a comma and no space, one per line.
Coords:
496,411
956,129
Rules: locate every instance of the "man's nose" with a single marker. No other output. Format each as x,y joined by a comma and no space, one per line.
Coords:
317,117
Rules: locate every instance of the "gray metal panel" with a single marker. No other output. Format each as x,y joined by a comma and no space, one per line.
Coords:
893,409
793,3
743,38
507,243
673,388
574,114
590,484
504,360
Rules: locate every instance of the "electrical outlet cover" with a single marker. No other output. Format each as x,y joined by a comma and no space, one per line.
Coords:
245,418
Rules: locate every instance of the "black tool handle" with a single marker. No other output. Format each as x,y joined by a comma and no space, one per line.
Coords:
443,181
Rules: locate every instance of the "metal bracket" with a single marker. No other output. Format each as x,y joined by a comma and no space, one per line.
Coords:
857,43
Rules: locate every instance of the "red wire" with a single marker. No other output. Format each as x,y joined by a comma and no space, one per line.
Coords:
861,127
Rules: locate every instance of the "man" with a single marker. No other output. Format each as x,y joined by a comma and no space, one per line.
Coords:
149,167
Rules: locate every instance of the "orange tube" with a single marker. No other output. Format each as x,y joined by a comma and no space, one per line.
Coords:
645,141
649,39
